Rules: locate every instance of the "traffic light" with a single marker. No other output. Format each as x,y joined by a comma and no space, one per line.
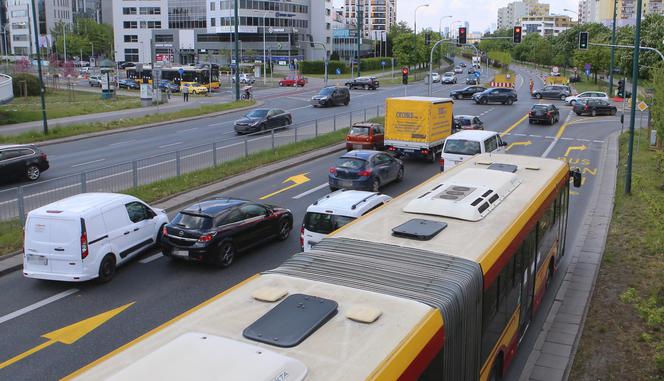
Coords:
516,36
427,38
621,88
404,75
583,40
462,36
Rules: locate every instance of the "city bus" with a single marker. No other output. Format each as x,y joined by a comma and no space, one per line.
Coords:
190,74
439,284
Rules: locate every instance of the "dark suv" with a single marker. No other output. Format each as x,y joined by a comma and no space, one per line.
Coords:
331,96
215,230
366,83
22,161
502,95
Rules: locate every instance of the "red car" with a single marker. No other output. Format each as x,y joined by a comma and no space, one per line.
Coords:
365,135
293,81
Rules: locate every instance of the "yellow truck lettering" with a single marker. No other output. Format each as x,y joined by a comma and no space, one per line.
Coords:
424,120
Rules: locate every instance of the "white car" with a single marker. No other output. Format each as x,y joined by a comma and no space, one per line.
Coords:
448,78
458,70
435,77
245,78
336,210
87,236
462,145
595,95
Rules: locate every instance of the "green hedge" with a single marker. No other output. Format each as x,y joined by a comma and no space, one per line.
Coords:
31,81
318,67
374,63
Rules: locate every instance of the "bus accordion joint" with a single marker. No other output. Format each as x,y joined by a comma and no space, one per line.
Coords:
576,177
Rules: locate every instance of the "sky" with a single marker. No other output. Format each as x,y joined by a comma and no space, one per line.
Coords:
479,13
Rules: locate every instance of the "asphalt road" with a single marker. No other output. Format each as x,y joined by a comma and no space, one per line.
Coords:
160,289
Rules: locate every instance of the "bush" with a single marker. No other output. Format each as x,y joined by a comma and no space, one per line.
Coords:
374,63
31,81
318,67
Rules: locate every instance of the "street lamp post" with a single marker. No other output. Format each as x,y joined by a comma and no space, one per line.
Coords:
575,12
64,40
92,53
613,49
264,61
236,20
326,57
42,90
415,31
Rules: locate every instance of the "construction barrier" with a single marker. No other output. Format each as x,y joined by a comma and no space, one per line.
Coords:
502,84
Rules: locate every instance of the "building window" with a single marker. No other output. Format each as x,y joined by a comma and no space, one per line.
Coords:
163,38
151,24
20,37
150,10
130,24
131,55
213,22
212,6
131,38
129,11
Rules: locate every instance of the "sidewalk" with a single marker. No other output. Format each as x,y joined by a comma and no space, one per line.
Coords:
15,262
556,345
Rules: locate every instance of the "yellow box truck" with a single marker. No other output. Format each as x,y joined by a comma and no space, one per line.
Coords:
417,126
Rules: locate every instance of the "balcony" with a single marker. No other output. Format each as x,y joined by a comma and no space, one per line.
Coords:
6,90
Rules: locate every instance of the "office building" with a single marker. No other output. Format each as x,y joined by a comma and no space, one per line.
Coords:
20,23
378,16
190,31
4,28
626,12
588,11
510,15
546,26
87,8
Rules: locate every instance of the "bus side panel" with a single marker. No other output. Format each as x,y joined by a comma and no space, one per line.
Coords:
423,361
543,275
505,346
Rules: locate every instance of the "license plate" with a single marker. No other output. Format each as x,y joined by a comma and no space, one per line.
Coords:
181,253
37,260
346,184
408,150
458,161
357,146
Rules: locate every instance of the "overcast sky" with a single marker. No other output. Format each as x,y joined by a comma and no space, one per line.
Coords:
479,13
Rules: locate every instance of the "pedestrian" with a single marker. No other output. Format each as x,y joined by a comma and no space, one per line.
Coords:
532,84
185,92
168,92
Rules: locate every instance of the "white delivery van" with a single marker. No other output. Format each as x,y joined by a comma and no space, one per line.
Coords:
462,145
336,210
86,236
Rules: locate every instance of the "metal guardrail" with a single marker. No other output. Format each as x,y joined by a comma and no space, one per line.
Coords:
17,202
6,88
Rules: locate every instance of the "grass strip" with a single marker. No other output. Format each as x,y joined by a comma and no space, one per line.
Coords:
84,128
11,235
623,337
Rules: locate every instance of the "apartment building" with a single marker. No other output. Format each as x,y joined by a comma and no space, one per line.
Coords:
510,15
19,27
551,25
588,11
378,16
626,11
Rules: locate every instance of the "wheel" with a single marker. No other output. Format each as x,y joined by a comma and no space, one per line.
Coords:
510,101
572,103
365,87
613,112
538,96
225,255
32,172
284,229
593,113
375,184
577,113
399,175
281,84
346,103
106,268
333,189
530,121
458,96
485,101
160,235
562,97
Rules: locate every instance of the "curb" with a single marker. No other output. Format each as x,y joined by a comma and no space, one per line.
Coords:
141,127
13,262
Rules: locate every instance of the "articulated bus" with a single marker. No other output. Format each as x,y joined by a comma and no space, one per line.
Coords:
439,284
191,74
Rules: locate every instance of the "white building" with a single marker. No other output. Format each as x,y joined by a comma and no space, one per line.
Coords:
510,15
20,24
588,11
545,25
378,16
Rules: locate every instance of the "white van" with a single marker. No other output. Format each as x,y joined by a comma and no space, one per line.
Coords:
462,145
86,236
336,210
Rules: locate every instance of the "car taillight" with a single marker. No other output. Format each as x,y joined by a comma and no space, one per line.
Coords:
302,237
425,151
532,113
164,232
441,162
43,156
548,114
333,170
365,173
585,107
84,245
207,237
390,148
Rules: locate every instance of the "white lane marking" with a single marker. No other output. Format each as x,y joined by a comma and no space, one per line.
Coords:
310,191
535,136
151,258
187,130
584,140
598,141
170,145
555,140
549,137
520,134
87,162
121,143
566,139
39,304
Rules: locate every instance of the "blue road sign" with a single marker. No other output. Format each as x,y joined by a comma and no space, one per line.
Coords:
232,66
338,71
382,63
181,71
478,74
587,72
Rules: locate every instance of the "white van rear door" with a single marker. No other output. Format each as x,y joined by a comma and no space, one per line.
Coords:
52,239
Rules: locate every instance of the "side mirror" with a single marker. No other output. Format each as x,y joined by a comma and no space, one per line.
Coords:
503,143
576,177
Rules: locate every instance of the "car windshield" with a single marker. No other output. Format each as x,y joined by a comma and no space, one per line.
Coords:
449,74
462,147
258,113
464,121
324,223
540,107
356,131
326,91
351,163
192,221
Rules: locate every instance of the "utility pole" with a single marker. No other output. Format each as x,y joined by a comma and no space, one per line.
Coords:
237,51
613,49
359,35
632,112
42,90
64,39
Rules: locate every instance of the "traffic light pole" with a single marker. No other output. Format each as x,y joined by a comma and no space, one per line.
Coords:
632,112
613,50
661,55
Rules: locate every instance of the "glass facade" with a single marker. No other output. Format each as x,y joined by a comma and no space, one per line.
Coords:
187,14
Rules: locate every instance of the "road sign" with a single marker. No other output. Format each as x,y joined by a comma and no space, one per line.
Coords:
338,71
181,71
233,65
587,66
382,63
279,45
478,74
555,69
270,30
587,72
642,106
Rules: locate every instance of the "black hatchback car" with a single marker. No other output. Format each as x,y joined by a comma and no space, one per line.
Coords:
466,92
594,107
262,119
331,96
215,230
366,83
504,95
544,113
22,161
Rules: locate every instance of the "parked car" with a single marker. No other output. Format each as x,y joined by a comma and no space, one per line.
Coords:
366,83
245,79
334,211
504,95
298,81
462,145
553,92
594,107
458,70
472,80
87,236
262,119
129,84
22,161
365,135
544,113
471,70
467,122
466,92
165,84
94,81
435,77
216,230
365,170
195,88
331,96
571,100
448,78
125,65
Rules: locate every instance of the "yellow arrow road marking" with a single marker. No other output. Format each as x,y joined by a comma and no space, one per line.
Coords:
575,148
526,143
507,131
69,334
297,180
